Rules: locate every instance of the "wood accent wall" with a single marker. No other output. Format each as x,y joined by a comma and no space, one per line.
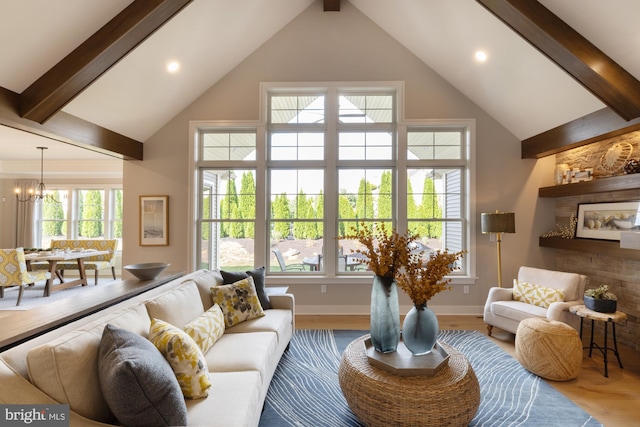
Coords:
621,274
593,155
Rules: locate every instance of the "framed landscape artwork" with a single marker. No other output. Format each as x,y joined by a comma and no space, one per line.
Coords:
154,220
605,221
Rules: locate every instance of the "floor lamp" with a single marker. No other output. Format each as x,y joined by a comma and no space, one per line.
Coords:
498,223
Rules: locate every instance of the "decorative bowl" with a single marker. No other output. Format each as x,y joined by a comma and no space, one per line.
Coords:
600,305
146,270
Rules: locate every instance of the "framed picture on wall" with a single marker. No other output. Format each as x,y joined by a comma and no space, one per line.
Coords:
605,221
154,220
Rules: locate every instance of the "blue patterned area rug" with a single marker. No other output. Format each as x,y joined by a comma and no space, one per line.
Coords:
305,391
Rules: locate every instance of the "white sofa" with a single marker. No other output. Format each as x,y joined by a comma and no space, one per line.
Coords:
61,366
502,311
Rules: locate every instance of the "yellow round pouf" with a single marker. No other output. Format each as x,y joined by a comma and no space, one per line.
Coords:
549,349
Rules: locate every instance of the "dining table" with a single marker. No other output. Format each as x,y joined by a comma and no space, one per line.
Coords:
53,258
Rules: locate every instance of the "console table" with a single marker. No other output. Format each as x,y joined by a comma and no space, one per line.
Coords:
379,398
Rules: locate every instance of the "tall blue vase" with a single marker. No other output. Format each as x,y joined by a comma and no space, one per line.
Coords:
385,315
420,330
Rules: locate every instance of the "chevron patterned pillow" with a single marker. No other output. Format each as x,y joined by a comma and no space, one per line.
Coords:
535,294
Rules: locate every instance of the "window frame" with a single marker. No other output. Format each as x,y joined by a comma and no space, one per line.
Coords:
72,206
399,164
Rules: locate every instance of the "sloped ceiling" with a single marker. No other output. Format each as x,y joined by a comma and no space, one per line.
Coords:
517,85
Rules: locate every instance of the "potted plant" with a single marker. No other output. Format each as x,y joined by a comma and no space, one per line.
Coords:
601,299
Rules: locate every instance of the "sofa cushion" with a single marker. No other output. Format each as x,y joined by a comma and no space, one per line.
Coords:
184,356
257,274
205,279
235,400
66,368
274,320
531,293
238,301
207,328
517,310
178,306
245,352
137,381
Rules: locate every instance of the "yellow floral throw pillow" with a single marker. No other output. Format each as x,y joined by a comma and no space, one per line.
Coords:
184,356
239,301
207,328
536,295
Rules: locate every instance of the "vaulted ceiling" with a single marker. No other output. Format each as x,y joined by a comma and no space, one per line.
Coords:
123,94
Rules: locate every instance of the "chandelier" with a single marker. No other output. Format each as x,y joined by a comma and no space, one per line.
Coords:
39,193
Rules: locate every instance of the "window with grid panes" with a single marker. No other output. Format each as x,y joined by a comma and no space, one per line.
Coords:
333,158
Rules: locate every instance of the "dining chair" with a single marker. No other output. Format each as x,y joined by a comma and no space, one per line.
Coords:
13,271
283,265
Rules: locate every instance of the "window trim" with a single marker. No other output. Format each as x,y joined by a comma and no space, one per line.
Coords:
72,209
400,164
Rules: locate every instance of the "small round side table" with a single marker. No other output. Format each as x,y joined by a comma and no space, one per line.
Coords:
613,318
379,398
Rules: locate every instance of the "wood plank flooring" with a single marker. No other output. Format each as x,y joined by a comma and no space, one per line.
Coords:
614,401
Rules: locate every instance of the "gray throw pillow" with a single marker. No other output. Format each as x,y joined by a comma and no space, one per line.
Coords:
230,277
137,382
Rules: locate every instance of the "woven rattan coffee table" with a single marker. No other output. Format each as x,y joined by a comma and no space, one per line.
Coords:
378,398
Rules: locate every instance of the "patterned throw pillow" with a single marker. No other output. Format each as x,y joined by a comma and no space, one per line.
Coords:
184,356
238,301
207,328
257,274
536,295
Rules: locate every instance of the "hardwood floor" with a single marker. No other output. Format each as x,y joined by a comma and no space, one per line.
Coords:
614,401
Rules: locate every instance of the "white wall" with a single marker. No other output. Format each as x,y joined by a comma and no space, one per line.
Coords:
347,46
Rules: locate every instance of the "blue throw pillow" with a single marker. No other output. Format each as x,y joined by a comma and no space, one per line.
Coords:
137,382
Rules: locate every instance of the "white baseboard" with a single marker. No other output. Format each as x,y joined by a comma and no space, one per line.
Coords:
364,310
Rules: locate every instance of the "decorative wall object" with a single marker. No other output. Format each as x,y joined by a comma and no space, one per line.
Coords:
564,231
154,220
590,156
613,161
632,166
605,221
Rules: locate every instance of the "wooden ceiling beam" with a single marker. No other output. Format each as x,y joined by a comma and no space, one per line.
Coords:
591,67
594,127
331,5
69,77
69,129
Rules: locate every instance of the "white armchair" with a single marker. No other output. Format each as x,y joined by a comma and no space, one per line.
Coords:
503,311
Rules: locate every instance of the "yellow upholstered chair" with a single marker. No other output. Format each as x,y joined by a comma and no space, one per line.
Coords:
13,271
96,262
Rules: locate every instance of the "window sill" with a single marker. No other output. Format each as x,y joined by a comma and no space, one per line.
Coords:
289,280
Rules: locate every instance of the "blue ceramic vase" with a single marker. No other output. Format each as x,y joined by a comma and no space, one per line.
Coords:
420,330
385,315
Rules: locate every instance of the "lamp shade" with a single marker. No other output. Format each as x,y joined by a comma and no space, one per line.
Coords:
498,222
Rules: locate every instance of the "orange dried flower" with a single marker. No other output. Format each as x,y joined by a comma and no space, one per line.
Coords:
386,252
422,280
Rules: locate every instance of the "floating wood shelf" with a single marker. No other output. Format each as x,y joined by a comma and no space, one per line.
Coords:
602,185
602,247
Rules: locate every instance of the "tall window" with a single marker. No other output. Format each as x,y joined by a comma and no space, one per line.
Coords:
54,217
324,162
80,213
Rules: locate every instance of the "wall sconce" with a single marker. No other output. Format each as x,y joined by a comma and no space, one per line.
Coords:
498,223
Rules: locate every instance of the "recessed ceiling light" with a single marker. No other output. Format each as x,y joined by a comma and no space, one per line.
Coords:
173,67
480,56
